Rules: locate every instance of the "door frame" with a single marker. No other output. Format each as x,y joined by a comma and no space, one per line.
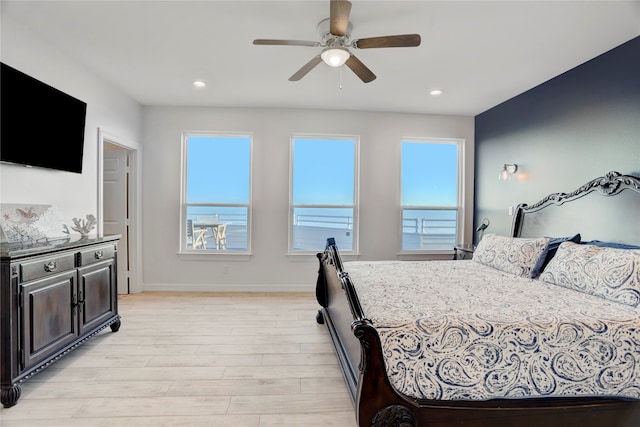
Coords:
135,192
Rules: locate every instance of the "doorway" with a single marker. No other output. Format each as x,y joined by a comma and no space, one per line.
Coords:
118,187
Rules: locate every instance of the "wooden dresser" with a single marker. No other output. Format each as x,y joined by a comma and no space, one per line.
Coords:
53,297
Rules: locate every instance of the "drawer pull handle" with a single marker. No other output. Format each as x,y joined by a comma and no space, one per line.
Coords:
98,254
51,266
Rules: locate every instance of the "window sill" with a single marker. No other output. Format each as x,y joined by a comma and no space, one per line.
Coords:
214,256
311,255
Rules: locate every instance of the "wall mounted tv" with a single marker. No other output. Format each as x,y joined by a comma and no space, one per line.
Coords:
39,124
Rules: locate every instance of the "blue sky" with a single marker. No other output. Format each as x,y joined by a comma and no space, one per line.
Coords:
323,172
429,174
219,171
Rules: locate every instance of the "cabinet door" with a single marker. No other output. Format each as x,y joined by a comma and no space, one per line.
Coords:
48,317
96,294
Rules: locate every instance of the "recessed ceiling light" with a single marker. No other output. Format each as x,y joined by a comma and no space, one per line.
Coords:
436,92
199,83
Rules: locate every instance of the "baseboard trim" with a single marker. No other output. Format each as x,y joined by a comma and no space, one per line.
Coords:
218,287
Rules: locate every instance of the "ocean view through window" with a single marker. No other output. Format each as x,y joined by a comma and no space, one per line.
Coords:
322,200
430,194
216,192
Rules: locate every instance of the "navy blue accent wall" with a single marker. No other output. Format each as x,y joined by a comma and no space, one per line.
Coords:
562,133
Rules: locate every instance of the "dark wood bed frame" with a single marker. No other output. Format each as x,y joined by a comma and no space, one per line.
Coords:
359,350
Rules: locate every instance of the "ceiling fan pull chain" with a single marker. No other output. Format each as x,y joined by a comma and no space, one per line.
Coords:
341,67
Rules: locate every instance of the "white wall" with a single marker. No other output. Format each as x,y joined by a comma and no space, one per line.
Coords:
270,268
75,195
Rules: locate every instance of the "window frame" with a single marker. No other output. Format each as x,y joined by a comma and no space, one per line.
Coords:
228,254
460,196
356,193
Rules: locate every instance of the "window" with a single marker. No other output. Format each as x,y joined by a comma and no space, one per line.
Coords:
324,173
216,209
430,194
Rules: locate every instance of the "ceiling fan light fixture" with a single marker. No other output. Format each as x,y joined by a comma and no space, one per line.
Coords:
335,56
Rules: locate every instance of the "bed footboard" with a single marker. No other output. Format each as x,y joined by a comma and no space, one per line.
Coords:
357,346
336,313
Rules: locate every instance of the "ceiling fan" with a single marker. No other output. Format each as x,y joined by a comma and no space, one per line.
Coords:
335,38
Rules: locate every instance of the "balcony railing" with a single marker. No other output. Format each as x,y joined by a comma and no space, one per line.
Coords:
330,221
417,233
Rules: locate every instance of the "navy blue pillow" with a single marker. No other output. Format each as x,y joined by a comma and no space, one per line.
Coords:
610,245
554,243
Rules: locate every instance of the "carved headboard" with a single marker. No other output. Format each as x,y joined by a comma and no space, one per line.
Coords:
606,208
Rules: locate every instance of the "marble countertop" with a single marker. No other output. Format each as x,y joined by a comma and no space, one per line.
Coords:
29,248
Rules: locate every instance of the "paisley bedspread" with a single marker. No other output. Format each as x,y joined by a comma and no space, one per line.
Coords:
460,330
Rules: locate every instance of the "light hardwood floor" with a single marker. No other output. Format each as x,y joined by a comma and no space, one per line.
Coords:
195,359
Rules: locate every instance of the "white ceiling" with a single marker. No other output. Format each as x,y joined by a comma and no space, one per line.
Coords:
479,53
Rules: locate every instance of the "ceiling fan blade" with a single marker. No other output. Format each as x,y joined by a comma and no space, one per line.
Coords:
360,69
404,40
272,42
339,17
306,68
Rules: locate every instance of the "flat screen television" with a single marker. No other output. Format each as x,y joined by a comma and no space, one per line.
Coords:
39,124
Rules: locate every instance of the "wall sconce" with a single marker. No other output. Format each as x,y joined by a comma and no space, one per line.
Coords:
507,171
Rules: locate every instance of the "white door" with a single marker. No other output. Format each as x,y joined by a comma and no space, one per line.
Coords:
115,207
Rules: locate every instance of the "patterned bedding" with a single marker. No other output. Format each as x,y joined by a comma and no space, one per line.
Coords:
461,330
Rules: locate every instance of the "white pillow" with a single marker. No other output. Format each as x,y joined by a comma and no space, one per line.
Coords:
610,273
516,255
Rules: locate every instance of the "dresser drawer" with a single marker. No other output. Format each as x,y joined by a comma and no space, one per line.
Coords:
44,267
97,254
